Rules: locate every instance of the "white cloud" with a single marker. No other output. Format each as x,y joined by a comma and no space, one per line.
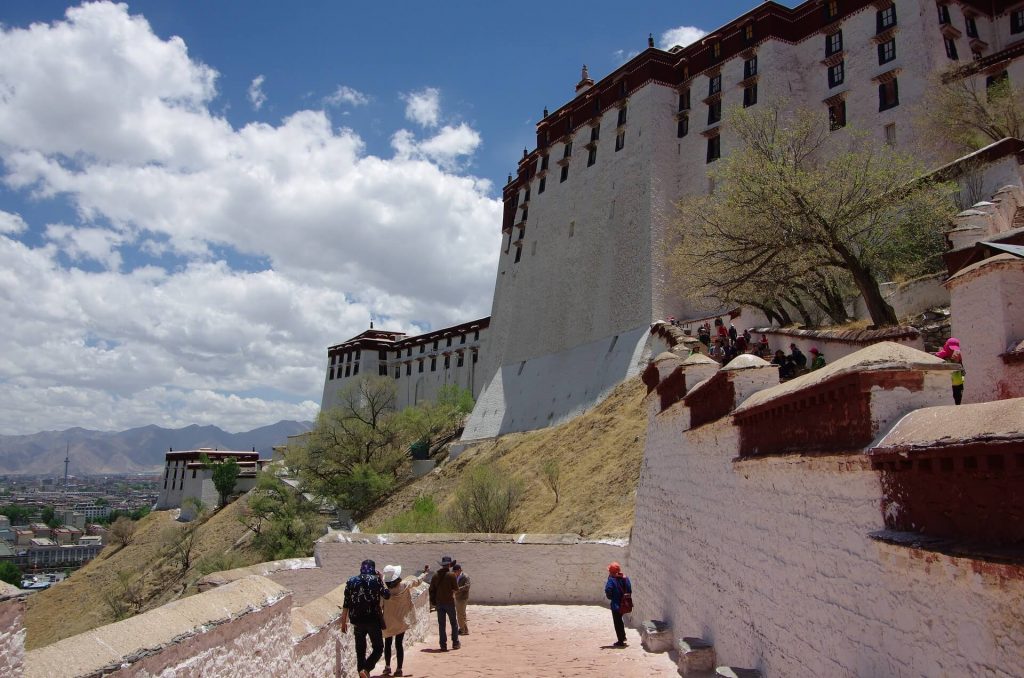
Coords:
346,95
100,111
256,96
11,223
682,36
423,107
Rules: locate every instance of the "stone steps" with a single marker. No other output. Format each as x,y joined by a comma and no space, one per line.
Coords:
696,656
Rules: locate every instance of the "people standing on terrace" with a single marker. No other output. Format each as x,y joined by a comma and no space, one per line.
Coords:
362,606
950,352
617,586
461,598
442,598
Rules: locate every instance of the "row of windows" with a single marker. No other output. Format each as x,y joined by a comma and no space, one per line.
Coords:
345,357
563,175
460,361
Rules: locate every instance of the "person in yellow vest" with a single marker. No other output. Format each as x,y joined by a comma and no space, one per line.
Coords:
950,352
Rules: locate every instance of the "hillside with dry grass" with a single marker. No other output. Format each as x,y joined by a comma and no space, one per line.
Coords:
83,601
599,457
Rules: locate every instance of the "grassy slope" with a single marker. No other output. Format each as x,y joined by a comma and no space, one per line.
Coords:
79,603
599,453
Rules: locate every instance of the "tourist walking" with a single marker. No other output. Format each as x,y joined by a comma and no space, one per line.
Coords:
616,589
461,598
950,352
399,615
362,606
442,598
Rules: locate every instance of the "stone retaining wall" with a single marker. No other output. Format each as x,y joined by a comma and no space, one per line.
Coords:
12,633
505,569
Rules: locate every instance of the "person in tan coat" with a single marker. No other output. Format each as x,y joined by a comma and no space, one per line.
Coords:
461,598
399,615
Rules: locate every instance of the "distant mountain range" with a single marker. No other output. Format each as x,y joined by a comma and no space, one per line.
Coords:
137,450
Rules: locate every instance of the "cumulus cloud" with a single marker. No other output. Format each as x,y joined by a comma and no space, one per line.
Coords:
682,36
346,95
423,107
99,111
256,96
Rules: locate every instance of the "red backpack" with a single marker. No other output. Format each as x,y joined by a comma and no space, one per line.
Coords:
626,601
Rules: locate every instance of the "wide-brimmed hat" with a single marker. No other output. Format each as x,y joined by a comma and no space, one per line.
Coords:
392,572
447,561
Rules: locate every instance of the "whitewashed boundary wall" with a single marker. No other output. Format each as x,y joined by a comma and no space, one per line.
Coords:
753,529
835,344
242,629
909,298
505,569
12,632
549,389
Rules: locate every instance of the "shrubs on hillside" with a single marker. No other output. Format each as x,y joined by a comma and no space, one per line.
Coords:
424,516
485,500
284,523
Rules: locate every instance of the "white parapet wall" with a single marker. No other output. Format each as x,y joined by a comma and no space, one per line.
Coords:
12,632
549,389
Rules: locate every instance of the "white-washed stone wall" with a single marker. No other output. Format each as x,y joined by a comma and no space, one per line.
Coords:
505,569
12,632
770,560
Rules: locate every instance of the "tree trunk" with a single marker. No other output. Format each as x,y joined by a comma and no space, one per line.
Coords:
879,309
796,303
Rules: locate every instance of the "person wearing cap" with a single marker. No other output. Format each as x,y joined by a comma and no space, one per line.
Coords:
363,594
442,598
950,352
461,598
399,614
819,359
617,585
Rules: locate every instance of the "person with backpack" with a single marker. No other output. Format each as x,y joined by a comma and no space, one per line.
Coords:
619,590
362,607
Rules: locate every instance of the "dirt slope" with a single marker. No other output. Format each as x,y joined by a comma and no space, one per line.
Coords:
599,453
79,603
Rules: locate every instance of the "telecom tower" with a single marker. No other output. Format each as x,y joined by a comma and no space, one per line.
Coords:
67,460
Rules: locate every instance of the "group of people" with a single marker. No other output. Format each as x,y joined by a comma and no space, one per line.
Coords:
795,363
380,609
725,343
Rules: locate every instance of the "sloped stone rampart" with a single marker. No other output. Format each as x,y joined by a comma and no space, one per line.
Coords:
12,633
240,629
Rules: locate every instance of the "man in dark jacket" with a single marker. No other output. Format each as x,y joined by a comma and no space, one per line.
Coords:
362,608
442,597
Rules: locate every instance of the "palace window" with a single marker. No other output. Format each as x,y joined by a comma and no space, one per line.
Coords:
332,358
398,371
716,51
622,116
408,352
435,345
476,356
972,26
748,33
544,163
567,150
831,9
348,369
462,338
459,361
382,370
526,196
714,148
542,185
447,361
1017,21
355,369
476,335
330,374
591,155
890,134
943,15
620,141
750,67
714,85
887,51
408,369
684,100
382,355
595,134
885,19
564,174
951,50
448,342
888,95
423,348
433,364
420,368
683,127
837,116
714,112
836,74
833,43
750,95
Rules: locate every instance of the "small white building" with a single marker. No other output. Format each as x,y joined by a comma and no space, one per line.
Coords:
185,476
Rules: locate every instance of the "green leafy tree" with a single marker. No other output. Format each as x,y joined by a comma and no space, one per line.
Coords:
10,573
225,476
963,111
284,523
798,213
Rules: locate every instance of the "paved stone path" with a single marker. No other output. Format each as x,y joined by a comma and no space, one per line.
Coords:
536,640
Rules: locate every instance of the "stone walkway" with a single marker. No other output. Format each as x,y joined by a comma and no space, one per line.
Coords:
536,640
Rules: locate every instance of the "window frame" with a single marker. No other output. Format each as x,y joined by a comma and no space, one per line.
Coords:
837,74
886,102
883,49
951,52
750,95
715,112
837,116
882,23
682,126
836,38
714,151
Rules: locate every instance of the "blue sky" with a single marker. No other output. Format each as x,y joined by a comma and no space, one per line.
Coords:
196,198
